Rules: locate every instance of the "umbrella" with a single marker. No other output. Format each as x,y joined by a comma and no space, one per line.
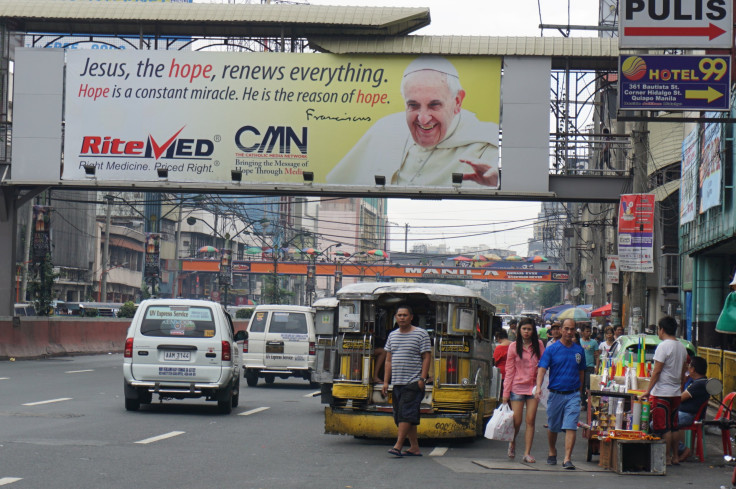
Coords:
537,259
207,249
514,258
461,258
552,312
376,252
342,253
311,251
479,257
253,250
601,311
576,313
492,257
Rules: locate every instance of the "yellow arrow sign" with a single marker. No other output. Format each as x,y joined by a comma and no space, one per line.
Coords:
711,94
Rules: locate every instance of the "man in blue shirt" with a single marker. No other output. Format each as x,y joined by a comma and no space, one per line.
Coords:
565,361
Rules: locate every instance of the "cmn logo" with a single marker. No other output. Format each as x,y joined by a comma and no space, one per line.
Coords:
248,139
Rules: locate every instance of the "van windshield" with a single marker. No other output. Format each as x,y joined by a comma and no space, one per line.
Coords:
178,321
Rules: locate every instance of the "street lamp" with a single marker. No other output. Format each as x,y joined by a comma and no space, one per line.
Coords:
311,272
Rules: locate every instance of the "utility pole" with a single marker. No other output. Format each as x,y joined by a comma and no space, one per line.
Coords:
177,263
406,237
27,252
637,280
106,251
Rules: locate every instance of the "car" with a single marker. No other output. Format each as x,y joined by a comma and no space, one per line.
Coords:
281,343
182,349
630,344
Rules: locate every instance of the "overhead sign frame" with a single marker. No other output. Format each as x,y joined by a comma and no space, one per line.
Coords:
684,24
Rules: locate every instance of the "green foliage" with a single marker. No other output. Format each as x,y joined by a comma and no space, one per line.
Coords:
128,310
548,295
41,287
91,312
244,313
274,293
145,292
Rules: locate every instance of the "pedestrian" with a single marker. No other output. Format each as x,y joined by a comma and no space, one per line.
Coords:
408,353
521,375
500,351
591,358
512,329
664,390
693,398
605,347
565,361
618,331
554,333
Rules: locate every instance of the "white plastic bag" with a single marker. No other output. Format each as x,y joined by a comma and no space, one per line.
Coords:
501,425
545,390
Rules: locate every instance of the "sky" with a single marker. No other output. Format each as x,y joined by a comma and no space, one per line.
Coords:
486,220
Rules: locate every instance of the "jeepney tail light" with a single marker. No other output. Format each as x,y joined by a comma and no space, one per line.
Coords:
452,364
312,349
245,346
128,352
227,354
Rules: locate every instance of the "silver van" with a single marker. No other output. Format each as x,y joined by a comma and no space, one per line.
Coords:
181,349
281,343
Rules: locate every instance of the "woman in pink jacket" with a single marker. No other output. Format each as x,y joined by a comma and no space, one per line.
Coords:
521,377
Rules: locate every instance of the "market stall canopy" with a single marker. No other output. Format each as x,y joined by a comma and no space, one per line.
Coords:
253,250
514,258
207,249
601,311
461,258
552,312
576,313
537,259
492,257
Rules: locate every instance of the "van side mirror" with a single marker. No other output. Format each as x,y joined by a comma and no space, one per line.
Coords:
241,335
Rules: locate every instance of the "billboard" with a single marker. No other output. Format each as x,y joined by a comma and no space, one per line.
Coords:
636,233
256,118
710,167
689,177
674,82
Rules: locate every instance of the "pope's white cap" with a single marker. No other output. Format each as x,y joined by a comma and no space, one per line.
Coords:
434,63
733,282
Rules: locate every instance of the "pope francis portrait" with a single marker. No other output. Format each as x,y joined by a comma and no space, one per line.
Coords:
432,139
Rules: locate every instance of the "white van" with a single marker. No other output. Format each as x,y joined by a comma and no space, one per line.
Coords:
281,343
178,349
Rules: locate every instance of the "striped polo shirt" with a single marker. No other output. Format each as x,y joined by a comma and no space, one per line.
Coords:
406,354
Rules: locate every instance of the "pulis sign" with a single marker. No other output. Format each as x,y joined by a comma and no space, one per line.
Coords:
173,148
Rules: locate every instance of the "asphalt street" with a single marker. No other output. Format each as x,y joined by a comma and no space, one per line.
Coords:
63,425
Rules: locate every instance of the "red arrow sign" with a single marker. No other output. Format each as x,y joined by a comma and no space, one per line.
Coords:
712,31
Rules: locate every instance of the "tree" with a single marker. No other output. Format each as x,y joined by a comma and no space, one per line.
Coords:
273,290
548,295
244,313
41,288
127,310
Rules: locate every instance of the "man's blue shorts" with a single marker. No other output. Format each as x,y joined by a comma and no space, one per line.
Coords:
407,400
563,411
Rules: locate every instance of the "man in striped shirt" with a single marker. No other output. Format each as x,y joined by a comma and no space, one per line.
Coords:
407,368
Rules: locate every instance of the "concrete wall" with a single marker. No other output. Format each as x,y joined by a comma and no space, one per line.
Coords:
28,338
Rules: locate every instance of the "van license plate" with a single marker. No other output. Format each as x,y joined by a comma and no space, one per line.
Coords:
177,356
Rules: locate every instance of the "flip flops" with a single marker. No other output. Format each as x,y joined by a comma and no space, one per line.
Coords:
395,452
410,454
529,459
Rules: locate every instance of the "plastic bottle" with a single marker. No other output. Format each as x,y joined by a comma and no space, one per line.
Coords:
619,414
645,416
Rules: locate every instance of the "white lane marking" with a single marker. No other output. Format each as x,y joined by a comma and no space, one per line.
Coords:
47,402
79,371
253,411
9,480
160,437
313,394
4,378
438,451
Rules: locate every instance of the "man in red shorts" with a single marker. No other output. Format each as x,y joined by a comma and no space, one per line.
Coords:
665,386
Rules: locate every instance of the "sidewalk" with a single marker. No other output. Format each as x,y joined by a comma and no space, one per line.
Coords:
712,473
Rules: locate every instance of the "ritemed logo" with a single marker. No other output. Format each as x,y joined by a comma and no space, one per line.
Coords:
173,148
